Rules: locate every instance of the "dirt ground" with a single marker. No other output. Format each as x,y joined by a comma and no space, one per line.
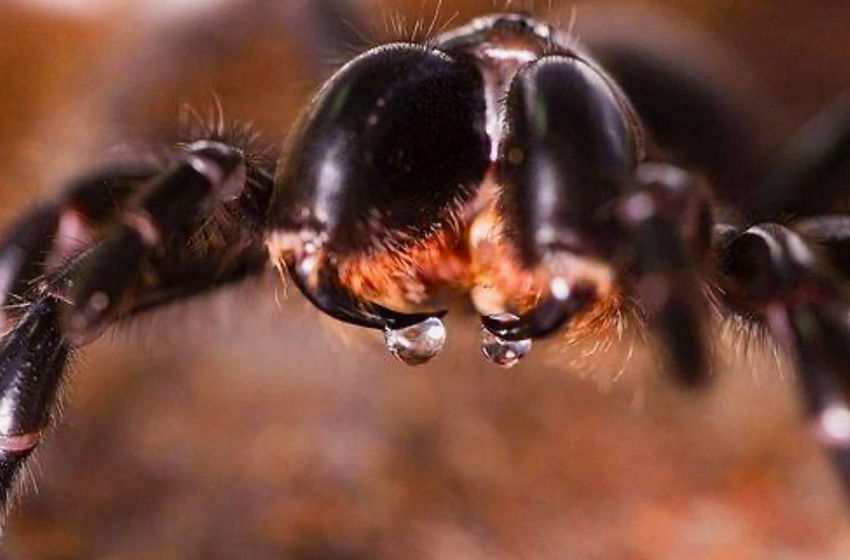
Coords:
232,426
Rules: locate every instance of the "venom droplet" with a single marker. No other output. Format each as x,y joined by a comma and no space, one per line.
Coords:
417,344
504,353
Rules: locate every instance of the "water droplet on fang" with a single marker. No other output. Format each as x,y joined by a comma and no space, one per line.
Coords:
417,344
503,353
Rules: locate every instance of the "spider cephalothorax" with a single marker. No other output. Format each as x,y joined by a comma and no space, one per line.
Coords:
499,161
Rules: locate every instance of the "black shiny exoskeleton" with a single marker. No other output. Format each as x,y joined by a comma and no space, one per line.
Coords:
401,154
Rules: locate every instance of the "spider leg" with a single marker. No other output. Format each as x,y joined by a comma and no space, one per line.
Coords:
669,220
771,271
49,234
134,223
832,235
32,362
812,176
22,253
208,171
33,352
694,98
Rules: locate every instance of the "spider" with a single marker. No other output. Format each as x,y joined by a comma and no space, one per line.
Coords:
499,160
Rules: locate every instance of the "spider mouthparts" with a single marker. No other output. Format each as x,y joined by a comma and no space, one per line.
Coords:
558,306
416,344
506,338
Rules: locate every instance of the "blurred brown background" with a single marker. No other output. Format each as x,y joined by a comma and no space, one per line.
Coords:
229,427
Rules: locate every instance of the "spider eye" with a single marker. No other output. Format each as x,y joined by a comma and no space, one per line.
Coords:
391,144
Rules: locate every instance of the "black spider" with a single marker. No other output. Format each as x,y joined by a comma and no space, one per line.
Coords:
497,159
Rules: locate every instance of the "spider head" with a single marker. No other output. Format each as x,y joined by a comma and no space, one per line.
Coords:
478,165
